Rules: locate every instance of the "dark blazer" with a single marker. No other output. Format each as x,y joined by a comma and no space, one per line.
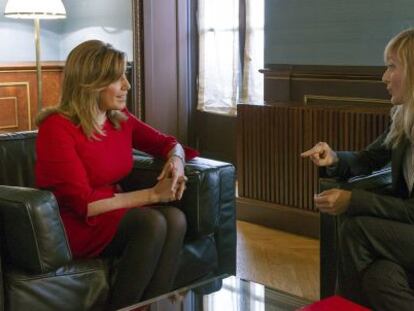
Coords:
396,206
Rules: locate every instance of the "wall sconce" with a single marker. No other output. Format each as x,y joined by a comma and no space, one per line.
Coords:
36,10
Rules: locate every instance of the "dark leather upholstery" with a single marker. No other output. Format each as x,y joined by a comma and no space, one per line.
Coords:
38,271
379,182
30,218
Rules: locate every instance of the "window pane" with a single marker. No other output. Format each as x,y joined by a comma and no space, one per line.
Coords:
221,83
219,71
220,14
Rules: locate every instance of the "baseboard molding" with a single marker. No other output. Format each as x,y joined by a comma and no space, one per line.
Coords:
289,219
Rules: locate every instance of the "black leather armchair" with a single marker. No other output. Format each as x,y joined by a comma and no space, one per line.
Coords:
37,269
379,182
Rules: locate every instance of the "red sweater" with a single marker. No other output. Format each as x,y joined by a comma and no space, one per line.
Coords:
79,171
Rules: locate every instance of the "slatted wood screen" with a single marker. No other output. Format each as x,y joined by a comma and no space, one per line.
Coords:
271,138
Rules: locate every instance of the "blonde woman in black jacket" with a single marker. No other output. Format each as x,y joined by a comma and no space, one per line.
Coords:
376,235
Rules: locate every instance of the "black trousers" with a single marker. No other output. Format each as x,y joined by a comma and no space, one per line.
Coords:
148,244
375,262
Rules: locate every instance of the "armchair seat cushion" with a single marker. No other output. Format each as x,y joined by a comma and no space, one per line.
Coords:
82,285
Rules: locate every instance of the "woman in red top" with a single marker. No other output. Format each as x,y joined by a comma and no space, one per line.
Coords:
84,147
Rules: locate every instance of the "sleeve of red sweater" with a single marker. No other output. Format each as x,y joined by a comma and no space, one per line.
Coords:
151,141
60,170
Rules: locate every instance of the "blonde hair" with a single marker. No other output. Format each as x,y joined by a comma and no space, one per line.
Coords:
402,116
90,67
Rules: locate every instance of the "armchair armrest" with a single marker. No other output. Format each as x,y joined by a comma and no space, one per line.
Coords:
208,202
210,188
33,236
378,181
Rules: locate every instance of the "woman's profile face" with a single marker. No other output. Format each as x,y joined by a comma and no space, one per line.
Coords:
114,96
393,77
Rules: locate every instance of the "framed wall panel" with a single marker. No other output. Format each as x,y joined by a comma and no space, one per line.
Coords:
15,106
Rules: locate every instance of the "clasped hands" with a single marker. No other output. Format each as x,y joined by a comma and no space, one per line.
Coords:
333,201
171,181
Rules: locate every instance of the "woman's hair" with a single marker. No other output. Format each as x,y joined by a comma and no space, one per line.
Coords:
89,68
402,46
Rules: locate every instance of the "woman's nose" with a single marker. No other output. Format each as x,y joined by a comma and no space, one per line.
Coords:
385,76
126,85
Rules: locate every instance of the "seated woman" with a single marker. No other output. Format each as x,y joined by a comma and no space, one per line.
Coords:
376,235
84,148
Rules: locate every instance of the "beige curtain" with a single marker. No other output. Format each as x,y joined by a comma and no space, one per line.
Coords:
252,86
221,84
219,58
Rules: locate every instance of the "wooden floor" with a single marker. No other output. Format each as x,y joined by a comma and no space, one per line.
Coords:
278,259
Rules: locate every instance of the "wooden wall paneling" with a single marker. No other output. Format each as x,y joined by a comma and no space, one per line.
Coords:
292,181
19,81
274,167
239,151
26,100
316,118
344,106
277,84
9,116
216,136
287,83
14,106
52,85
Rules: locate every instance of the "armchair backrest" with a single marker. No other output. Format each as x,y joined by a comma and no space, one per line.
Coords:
17,158
33,235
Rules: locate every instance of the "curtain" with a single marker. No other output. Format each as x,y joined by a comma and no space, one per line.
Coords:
222,83
252,87
219,58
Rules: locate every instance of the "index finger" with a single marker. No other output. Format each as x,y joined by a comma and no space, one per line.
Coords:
315,149
320,199
174,177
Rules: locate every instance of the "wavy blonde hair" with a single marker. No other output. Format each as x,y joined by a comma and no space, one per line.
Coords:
90,67
402,116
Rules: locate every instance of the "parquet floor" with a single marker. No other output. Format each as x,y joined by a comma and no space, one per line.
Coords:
278,259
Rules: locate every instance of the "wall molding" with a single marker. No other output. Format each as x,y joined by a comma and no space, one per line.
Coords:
292,82
19,79
310,99
290,219
26,86
16,119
